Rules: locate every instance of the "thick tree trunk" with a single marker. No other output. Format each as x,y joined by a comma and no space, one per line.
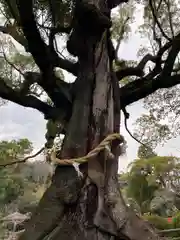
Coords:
92,207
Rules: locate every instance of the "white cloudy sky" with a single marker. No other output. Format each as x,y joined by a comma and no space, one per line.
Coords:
19,122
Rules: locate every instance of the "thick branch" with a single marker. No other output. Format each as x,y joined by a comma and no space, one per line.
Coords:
169,63
136,71
129,71
156,79
29,79
58,90
8,93
115,3
143,87
43,57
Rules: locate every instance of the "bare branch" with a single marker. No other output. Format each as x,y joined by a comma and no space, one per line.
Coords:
55,30
12,65
22,160
170,16
157,22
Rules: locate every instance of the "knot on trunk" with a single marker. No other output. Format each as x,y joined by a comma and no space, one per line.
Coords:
88,21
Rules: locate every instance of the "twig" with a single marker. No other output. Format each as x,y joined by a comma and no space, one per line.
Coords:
12,65
157,22
23,160
58,29
169,230
170,17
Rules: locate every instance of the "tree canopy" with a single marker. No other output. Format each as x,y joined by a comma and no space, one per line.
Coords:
49,27
42,39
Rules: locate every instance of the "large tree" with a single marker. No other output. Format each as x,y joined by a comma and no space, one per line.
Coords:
86,111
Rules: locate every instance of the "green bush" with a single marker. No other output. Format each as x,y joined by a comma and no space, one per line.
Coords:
158,222
10,188
176,220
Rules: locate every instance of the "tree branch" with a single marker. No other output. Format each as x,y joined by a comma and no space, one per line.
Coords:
143,87
11,29
22,160
169,63
59,91
45,58
121,35
115,3
136,71
157,22
55,30
167,69
10,94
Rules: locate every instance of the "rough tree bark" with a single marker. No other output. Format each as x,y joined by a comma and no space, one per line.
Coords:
92,207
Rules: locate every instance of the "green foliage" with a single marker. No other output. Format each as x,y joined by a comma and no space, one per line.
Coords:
121,21
146,180
11,186
164,103
13,64
157,221
158,166
13,150
11,183
162,223
150,130
61,10
145,152
140,190
18,181
176,220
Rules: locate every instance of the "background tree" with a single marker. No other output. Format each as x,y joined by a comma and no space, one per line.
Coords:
160,25
93,103
21,185
153,184
145,152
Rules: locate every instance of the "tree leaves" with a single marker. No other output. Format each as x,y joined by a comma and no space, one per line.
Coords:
150,183
150,130
145,152
160,24
12,150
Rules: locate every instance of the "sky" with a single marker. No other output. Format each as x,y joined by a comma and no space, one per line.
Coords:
19,122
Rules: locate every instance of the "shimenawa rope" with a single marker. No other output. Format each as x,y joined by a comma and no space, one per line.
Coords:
104,145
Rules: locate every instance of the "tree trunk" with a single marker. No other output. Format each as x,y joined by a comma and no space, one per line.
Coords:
90,207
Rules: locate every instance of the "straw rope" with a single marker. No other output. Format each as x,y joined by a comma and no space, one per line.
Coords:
104,145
